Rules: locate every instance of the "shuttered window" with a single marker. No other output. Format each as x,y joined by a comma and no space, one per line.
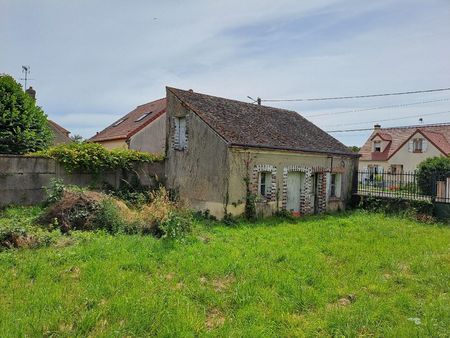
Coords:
180,133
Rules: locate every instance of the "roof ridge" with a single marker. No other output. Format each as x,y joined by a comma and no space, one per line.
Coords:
418,126
241,102
163,98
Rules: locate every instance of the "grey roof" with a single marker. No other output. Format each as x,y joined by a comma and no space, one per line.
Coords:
250,125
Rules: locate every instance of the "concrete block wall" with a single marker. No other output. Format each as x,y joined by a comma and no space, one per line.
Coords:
23,178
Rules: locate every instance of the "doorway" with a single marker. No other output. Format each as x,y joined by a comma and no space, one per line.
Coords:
295,186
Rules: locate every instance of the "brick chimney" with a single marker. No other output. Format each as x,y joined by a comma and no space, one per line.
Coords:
377,127
30,91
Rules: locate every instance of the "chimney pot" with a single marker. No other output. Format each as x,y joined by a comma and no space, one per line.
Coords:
377,126
190,90
30,91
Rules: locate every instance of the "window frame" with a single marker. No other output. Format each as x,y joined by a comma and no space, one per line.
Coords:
143,116
115,124
335,185
264,181
418,145
377,144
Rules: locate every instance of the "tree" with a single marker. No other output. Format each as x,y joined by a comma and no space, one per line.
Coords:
23,125
430,170
354,149
77,138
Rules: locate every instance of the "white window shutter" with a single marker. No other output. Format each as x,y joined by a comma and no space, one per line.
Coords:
177,131
328,184
338,185
424,145
410,146
182,133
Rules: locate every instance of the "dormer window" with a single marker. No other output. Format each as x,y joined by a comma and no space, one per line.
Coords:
377,146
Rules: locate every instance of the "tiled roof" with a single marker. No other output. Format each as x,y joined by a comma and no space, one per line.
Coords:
250,125
133,122
438,135
60,134
58,127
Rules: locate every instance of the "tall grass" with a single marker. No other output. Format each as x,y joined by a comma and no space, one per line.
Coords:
359,274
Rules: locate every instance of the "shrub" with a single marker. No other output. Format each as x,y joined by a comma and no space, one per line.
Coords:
23,125
430,170
95,158
417,209
108,217
163,217
175,226
229,219
54,191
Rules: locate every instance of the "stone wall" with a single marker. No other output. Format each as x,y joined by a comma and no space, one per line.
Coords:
23,178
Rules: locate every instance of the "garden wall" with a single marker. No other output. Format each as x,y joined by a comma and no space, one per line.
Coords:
22,179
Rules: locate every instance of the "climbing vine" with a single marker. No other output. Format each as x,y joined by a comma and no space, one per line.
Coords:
95,158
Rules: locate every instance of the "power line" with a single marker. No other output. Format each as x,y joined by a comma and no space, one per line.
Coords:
359,96
394,119
377,108
385,120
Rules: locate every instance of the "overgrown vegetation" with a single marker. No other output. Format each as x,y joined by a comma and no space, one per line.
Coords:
421,210
72,208
23,125
94,158
358,274
431,170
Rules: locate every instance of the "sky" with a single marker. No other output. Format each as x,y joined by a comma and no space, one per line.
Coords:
93,61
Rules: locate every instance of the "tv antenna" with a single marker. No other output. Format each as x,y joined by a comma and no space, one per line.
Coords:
26,70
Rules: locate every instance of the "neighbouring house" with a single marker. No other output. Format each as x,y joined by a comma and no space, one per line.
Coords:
60,134
401,149
142,129
220,151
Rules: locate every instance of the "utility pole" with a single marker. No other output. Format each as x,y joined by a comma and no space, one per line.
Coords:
26,71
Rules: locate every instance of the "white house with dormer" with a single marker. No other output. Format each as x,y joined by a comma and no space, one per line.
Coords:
401,149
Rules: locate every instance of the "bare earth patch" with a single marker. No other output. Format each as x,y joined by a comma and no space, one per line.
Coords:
214,319
221,284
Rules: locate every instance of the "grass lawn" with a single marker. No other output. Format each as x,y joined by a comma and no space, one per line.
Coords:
356,274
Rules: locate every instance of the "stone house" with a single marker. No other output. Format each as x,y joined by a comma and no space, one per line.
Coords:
217,149
60,134
401,149
141,129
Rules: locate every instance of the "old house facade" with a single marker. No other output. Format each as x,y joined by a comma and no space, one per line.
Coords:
141,129
401,149
219,150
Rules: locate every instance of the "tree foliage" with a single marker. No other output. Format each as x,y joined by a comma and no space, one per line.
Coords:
95,158
23,125
430,170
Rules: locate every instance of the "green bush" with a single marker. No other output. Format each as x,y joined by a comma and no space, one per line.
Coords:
430,170
23,125
397,206
107,217
54,190
175,226
95,158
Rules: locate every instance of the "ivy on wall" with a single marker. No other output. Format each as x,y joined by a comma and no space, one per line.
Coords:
95,158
